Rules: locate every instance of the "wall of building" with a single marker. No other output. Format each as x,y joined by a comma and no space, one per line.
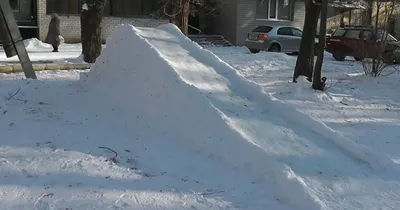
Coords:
247,21
224,23
70,25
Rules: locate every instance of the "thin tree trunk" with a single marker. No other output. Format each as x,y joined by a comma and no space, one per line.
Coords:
174,12
376,59
91,17
369,12
185,17
318,83
305,59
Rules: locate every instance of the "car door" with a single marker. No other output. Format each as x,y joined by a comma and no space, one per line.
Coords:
286,39
367,44
297,34
350,43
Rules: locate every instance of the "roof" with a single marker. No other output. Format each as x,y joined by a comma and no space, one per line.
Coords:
346,4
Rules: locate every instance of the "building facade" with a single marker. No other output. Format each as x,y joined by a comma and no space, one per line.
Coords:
33,16
233,18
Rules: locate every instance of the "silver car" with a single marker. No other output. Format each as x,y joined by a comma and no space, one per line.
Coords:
274,38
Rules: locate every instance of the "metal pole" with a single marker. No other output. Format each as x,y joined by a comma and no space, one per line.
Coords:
12,31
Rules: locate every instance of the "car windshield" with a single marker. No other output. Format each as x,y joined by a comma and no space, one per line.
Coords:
383,33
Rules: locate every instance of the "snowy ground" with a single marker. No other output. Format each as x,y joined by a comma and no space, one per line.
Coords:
191,133
40,52
364,109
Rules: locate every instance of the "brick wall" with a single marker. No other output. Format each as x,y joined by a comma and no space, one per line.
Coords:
70,25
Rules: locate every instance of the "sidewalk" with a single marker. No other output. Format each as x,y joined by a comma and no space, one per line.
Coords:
68,58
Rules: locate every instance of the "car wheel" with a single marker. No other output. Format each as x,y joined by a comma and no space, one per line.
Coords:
274,48
338,57
254,51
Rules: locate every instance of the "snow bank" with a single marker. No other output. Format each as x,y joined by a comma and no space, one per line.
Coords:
134,79
253,90
34,43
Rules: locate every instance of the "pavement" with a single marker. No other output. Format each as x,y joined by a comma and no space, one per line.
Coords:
16,67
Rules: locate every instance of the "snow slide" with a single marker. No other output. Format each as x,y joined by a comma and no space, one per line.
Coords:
168,85
149,91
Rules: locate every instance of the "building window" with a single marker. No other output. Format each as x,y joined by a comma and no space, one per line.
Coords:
117,8
14,5
275,9
133,8
64,7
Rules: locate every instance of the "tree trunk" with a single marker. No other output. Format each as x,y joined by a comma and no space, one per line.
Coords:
305,59
318,82
91,17
369,12
185,16
174,12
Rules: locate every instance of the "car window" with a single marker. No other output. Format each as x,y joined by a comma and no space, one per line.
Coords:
367,35
352,34
297,32
382,35
263,29
339,32
285,31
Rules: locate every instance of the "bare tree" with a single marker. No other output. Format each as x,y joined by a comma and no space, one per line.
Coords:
305,59
91,17
178,11
318,82
380,43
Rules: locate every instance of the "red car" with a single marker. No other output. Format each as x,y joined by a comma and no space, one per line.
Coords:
360,43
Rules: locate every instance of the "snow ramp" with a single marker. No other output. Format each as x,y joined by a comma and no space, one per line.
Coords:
173,87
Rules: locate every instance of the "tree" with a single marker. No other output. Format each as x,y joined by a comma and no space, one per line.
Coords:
91,17
178,11
185,16
305,59
381,58
318,82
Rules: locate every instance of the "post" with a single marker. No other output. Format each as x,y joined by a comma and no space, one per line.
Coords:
13,40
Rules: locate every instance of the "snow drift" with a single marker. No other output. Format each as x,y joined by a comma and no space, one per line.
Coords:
158,98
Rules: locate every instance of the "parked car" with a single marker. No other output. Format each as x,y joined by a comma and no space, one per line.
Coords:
274,38
329,32
362,42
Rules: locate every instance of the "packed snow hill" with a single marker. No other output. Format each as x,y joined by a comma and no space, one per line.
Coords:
161,123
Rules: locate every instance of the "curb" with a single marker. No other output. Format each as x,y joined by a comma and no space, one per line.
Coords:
44,67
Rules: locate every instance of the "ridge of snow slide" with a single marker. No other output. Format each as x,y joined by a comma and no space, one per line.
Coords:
156,95
319,161
375,160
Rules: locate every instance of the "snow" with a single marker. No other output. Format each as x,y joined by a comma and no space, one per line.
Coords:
195,128
85,7
40,52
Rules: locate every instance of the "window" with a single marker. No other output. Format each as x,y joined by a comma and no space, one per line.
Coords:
367,35
382,36
285,31
263,29
297,32
63,7
339,32
275,9
117,8
352,34
14,5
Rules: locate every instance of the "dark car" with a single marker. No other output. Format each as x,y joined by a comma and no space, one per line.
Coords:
360,43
